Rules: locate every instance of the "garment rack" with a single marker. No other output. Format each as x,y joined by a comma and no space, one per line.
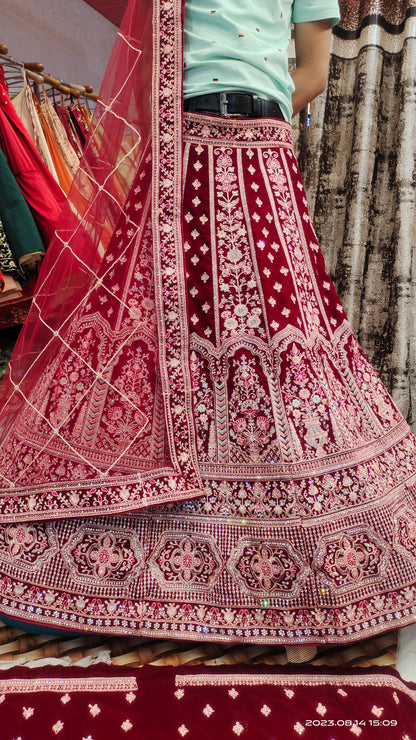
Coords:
34,71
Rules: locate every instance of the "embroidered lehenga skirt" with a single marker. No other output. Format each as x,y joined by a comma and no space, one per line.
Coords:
306,529
192,442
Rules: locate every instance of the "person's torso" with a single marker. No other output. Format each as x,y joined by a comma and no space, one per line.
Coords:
242,45
238,46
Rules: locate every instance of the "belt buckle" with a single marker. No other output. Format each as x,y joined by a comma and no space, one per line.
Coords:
257,111
223,104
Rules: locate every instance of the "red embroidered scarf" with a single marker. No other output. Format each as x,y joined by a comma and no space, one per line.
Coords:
124,209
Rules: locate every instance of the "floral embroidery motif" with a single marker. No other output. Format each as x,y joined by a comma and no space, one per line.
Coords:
251,415
130,697
114,557
356,730
208,710
183,730
268,568
238,728
65,699
243,131
94,709
126,725
204,407
27,712
179,693
299,728
265,710
57,727
31,545
321,709
233,693
312,385
371,387
240,305
405,532
180,559
377,711
357,557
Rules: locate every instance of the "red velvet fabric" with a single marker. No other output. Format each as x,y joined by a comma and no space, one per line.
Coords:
252,703
186,349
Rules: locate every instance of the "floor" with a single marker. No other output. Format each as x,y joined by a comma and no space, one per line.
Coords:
24,647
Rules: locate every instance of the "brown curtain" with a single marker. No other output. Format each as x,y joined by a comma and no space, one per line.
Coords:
358,159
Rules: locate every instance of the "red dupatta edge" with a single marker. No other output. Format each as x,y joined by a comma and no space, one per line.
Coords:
181,479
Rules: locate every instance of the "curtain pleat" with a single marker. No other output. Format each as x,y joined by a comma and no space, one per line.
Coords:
358,160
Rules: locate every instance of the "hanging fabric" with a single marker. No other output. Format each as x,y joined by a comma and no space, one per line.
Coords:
63,176
78,122
25,108
64,117
20,228
67,152
41,191
11,289
7,261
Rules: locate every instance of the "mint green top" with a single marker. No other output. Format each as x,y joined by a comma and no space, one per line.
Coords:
242,45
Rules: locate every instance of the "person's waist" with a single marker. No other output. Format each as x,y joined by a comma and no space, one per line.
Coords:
233,103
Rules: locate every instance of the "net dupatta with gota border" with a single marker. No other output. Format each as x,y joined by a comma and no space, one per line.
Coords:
108,325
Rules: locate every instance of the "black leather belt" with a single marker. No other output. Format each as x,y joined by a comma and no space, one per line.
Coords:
233,103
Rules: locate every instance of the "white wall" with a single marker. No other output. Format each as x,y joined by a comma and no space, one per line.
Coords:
71,39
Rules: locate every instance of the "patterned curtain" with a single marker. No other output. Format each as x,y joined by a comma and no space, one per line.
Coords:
358,160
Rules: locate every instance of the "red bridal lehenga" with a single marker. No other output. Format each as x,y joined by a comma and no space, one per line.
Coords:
192,440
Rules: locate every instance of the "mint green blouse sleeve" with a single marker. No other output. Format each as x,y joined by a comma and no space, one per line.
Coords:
315,10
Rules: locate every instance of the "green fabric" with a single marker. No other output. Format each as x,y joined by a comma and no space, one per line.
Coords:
18,223
242,45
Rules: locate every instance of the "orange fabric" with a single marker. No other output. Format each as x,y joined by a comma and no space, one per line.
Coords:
64,176
67,152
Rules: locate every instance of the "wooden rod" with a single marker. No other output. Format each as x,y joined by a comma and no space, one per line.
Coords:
34,70
66,89
86,90
82,88
35,76
34,66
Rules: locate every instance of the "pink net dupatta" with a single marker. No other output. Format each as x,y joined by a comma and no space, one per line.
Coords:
96,409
